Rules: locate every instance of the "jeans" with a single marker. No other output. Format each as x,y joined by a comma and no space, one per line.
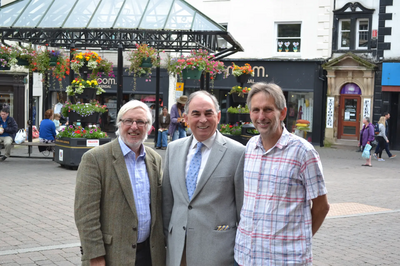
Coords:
162,138
386,149
179,133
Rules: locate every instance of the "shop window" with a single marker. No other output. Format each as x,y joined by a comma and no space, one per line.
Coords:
6,101
288,37
300,106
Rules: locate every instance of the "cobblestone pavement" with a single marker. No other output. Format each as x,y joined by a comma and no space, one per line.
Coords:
37,225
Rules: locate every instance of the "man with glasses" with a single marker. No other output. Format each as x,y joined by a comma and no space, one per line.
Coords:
118,196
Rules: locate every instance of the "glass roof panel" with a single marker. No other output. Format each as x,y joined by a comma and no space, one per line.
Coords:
201,23
106,14
156,14
33,13
9,13
131,14
57,14
81,14
180,17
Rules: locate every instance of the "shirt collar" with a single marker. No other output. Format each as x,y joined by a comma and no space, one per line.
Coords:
208,142
125,149
280,144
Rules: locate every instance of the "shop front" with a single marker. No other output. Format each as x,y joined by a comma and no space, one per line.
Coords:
12,95
301,82
349,97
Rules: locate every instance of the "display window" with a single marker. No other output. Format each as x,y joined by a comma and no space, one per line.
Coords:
299,118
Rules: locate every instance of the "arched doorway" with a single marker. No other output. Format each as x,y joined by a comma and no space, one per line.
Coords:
349,112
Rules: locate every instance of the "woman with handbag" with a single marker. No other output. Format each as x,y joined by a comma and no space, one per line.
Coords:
366,137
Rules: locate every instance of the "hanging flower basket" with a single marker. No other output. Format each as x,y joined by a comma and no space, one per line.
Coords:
219,76
53,60
22,62
146,62
238,99
192,74
87,94
243,78
93,118
4,68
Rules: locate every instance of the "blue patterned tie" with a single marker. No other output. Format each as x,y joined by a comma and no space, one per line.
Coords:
193,172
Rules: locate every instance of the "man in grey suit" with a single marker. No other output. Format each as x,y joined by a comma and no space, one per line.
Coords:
202,189
118,197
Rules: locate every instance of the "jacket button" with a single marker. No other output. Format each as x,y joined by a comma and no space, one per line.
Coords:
184,228
134,229
133,246
190,207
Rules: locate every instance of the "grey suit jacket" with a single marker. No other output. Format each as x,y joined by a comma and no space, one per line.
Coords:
216,201
105,211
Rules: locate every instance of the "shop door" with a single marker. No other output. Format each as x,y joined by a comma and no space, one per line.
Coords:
349,117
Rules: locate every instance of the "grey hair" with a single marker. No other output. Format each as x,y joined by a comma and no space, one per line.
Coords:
194,94
133,104
271,89
367,119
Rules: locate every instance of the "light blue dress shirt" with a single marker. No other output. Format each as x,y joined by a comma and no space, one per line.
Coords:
140,186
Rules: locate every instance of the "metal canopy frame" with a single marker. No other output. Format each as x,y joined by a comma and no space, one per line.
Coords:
184,28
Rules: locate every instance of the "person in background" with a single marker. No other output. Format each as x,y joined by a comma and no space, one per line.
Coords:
163,121
391,156
285,200
47,129
381,138
56,121
177,126
8,129
367,135
118,196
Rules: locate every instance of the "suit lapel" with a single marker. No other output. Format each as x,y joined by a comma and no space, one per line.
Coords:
153,180
123,176
181,163
217,152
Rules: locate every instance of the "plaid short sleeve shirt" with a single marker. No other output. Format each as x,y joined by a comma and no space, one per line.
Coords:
279,184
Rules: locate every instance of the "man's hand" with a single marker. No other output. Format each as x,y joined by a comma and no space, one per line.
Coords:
99,261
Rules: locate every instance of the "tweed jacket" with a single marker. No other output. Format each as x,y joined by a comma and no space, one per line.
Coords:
105,211
217,201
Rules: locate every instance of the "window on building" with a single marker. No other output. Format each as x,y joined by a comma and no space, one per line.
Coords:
344,34
362,33
352,27
288,37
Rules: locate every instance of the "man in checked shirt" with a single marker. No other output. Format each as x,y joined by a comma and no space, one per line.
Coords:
285,200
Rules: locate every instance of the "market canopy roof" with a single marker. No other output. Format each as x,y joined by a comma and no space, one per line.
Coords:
164,24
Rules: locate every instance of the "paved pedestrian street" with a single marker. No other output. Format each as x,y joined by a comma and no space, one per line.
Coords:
363,227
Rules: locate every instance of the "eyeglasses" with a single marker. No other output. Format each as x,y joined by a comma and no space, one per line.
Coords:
129,122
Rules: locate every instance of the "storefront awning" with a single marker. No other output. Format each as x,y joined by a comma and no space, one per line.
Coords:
391,77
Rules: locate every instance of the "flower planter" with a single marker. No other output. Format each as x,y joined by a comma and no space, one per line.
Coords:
69,151
53,61
22,62
87,94
73,117
243,78
4,68
146,62
191,74
233,118
219,76
237,99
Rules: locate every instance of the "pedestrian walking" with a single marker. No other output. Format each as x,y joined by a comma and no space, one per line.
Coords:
285,200
390,155
381,138
366,137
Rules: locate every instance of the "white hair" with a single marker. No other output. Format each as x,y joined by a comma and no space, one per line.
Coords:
133,104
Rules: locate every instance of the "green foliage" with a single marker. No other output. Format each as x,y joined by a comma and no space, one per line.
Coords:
83,109
238,110
79,132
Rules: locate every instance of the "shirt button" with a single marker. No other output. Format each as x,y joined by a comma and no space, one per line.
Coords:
190,207
184,228
134,229
133,246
